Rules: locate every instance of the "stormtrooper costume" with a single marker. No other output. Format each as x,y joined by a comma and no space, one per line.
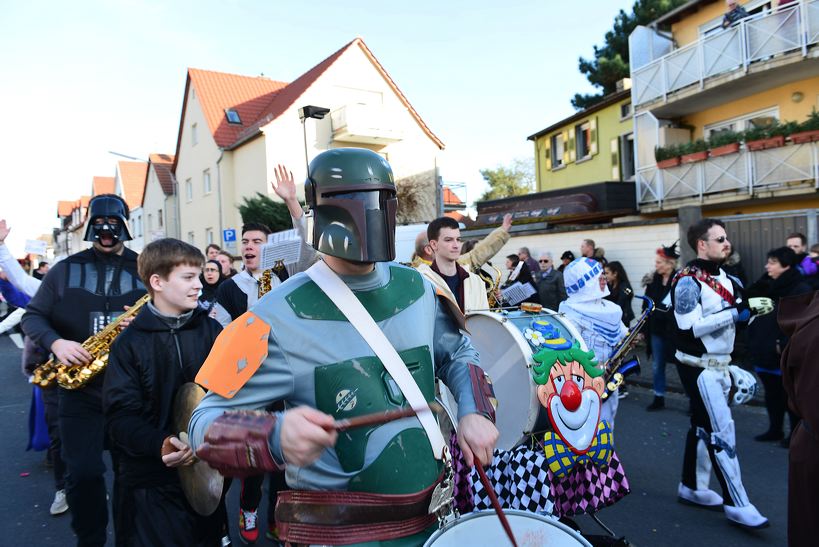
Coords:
707,305
599,321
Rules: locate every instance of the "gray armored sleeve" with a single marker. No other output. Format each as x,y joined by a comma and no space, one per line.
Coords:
453,353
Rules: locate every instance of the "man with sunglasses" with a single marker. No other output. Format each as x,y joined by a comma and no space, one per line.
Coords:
550,288
708,304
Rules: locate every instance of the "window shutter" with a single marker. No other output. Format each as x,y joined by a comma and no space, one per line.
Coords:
568,146
593,136
548,151
615,159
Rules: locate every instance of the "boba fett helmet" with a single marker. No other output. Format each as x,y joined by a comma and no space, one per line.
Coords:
351,192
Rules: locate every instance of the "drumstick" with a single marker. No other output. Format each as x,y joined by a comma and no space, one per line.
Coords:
490,491
378,418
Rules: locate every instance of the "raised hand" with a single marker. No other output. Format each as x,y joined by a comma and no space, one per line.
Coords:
285,185
4,230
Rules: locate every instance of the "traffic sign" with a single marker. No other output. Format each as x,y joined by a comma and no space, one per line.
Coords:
228,235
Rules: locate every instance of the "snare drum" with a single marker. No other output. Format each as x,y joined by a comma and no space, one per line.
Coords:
502,341
484,528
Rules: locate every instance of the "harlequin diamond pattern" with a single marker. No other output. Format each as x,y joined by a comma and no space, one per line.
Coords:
587,489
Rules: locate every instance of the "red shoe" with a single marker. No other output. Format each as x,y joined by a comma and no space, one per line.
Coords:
248,528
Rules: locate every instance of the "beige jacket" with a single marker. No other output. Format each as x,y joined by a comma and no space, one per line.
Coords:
474,289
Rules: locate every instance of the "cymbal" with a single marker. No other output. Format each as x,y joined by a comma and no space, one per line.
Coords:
201,483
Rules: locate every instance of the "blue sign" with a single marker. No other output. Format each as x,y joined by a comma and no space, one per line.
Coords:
228,235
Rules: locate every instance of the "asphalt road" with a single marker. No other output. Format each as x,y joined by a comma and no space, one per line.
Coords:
649,445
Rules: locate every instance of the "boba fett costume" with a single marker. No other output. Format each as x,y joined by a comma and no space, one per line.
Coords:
295,345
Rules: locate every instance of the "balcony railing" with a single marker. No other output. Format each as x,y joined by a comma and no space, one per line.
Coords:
744,172
751,40
366,124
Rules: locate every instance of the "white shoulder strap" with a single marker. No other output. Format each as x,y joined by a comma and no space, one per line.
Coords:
362,321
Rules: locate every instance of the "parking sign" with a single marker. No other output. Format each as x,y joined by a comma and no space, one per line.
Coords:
228,235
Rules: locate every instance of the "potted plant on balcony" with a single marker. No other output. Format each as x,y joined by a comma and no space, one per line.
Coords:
667,156
807,131
724,143
772,136
694,151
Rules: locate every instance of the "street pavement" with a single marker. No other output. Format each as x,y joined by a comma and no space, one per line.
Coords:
649,445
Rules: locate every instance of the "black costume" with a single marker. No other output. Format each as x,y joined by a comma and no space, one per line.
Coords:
147,365
79,297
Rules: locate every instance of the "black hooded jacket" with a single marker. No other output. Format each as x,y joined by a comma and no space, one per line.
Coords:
148,363
765,340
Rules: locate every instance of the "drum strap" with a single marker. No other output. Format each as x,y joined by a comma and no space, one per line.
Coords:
355,312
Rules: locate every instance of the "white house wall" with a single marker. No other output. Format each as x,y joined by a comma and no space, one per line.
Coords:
203,210
247,175
633,246
153,205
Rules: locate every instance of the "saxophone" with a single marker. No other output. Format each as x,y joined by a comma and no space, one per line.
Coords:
265,281
492,284
98,345
615,368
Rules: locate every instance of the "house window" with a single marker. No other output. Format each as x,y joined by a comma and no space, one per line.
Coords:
194,135
761,118
138,226
206,181
189,190
557,150
625,110
160,219
233,116
582,137
627,157
209,235
191,239
150,222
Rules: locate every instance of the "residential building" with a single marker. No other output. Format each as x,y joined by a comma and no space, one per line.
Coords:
159,205
129,182
694,79
593,145
234,130
68,237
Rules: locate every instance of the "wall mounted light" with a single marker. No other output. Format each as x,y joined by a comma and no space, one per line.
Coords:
797,96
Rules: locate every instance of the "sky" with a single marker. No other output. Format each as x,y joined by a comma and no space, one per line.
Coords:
79,79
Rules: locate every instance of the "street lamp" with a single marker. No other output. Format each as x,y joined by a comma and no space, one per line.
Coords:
317,113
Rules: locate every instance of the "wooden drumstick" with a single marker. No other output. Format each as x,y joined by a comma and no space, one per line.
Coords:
490,491
378,418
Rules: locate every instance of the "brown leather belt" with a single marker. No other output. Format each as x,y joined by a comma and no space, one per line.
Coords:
342,518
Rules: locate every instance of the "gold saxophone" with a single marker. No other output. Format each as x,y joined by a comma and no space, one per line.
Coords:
492,284
265,283
615,371
98,345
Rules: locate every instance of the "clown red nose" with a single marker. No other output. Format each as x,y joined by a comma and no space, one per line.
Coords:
570,396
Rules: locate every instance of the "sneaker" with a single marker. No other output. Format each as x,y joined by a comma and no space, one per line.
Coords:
248,530
59,506
273,535
703,497
226,541
657,404
747,516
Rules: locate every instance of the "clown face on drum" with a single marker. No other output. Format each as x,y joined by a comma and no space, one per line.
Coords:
570,386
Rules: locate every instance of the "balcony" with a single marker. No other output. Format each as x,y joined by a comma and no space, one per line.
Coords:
781,171
762,50
369,124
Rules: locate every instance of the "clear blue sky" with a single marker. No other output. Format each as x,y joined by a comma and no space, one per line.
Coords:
80,78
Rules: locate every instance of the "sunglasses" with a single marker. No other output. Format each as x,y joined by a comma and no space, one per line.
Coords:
544,261
720,239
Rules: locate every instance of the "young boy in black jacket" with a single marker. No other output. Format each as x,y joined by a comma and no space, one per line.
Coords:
162,349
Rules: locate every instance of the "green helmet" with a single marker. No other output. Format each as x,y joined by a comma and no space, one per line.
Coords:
351,192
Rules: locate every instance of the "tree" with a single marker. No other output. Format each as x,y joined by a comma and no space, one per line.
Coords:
261,208
611,61
518,179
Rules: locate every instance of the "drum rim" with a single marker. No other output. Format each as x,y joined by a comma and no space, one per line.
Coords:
551,519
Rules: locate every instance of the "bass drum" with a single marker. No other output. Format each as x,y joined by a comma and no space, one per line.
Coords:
506,355
484,528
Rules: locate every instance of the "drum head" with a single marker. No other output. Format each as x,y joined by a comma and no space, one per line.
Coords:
484,528
505,356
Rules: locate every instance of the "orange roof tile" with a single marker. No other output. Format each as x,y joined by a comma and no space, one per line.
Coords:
102,185
132,177
162,165
450,198
260,100
218,91
64,208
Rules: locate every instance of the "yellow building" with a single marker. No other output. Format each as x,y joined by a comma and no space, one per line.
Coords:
694,77
593,145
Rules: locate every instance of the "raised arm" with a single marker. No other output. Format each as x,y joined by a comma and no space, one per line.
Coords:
16,274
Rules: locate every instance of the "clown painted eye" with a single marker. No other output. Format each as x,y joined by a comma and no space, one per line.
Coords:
559,381
578,380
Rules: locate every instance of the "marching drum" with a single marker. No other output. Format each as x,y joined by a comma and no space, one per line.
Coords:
484,528
506,343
